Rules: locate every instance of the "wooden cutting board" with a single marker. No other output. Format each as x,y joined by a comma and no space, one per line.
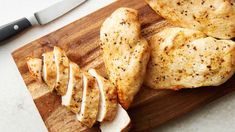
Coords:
80,40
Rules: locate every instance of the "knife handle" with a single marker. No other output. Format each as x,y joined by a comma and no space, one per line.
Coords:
13,28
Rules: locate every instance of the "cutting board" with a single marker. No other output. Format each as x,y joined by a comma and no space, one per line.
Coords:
80,40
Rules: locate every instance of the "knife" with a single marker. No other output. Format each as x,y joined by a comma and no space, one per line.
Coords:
39,18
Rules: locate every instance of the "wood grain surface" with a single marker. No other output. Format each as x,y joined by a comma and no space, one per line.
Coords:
80,40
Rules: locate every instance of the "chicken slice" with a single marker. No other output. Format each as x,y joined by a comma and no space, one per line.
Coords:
35,67
73,97
62,70
49,70
108,97
125,53
178,61
121,122
90,101
216,18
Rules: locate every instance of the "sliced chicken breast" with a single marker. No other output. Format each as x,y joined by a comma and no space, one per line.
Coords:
108,97
125,53
49,70
62,70
216,18
121,122
35,67
180,59
73,97
90,101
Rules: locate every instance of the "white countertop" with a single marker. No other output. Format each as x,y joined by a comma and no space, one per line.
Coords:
17,110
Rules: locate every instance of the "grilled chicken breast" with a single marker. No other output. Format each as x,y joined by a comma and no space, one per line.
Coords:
184,58
90,101
73,97
49,70
108,97
216,18
35,67
62,70
125,53
121,122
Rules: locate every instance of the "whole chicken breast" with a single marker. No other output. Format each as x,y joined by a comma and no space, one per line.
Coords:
49,70
125,53
180,59
216,18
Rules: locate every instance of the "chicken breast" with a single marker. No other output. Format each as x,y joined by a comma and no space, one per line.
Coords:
49,70
180,59
35,67
90,101
121,122
216,18
108,97
62,70
73,97
125,53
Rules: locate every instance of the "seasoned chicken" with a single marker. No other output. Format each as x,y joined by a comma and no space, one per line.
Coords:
49,70
216,18
121,122
90,101
125,53
108,97
184,58
35,67
73,97
62,70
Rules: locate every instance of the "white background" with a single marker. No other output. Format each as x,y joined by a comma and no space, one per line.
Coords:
17,110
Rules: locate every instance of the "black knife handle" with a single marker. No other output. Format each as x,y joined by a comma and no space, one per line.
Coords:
13,28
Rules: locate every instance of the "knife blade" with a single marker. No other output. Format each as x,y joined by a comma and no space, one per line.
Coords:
38,18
